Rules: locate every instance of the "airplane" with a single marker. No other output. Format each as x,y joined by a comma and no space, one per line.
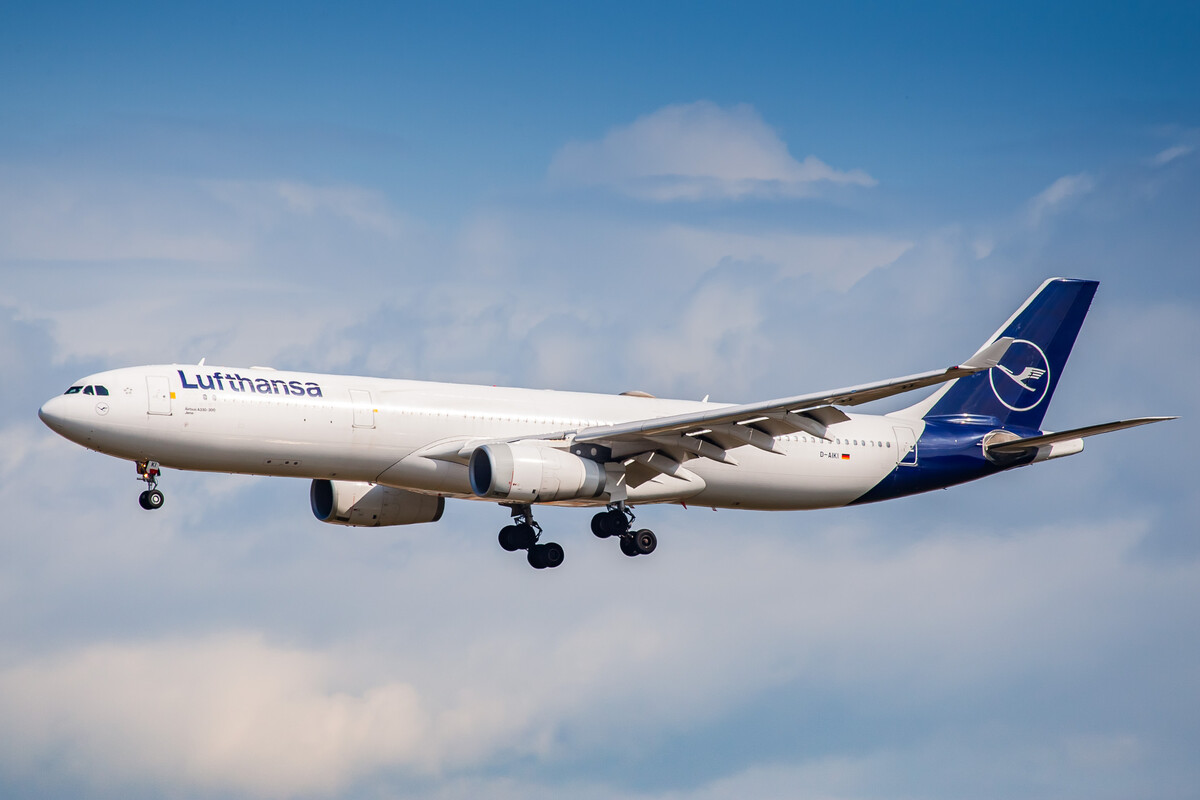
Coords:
390,452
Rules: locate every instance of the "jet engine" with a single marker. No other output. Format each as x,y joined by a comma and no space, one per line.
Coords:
533,473
368,505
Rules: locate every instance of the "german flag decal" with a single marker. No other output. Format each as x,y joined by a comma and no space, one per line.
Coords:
845,456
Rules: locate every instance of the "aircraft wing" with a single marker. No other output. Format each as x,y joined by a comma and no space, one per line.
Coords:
1021,445
710,433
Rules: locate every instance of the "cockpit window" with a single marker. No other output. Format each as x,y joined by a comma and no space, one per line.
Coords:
74,390
87,390
102,391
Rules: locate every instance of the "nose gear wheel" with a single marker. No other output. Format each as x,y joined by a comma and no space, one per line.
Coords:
152,498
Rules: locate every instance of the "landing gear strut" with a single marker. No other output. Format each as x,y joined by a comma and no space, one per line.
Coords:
152,498
524,535
617,520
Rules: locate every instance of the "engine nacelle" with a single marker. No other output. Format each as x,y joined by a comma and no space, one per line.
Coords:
367,505
530,473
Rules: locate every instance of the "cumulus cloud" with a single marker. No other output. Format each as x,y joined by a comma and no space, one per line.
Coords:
228,713
924,628
696,151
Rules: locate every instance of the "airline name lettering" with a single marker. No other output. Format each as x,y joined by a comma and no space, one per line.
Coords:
217,381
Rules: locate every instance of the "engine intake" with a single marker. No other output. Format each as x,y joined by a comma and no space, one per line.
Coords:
531,473
371,506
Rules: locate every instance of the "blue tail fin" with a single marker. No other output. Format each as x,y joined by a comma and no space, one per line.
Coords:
1018,391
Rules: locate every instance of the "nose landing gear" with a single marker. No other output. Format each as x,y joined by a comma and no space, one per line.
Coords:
152,498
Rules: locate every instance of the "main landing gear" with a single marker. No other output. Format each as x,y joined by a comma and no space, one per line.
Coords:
618,521
152,498
524,535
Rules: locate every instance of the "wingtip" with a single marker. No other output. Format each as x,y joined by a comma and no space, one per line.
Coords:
989,355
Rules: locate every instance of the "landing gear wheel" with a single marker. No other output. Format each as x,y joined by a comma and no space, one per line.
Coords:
552,554
508,538
142,500
628,547
153,499
645,541
612,522
524,536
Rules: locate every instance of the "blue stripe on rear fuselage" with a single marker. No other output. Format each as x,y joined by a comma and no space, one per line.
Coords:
949,452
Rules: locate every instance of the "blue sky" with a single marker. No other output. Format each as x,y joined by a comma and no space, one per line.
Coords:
742,200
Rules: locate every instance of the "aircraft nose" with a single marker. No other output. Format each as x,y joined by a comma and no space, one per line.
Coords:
54,413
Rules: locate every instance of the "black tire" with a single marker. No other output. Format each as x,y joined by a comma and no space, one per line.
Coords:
508,538
552,554
537,557
154,499
618,523
525,536
142,501
645,541
600,525
628,547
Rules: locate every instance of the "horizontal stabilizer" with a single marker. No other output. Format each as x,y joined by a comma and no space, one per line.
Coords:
1021,445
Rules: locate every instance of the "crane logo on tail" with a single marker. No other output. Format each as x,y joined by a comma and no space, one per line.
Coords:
1024,376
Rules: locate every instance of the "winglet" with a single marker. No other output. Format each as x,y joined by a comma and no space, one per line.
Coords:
988,356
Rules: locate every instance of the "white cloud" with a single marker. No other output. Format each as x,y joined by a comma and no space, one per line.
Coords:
832,262
1170,154
697,151
930,625
144,269
1058,195
231,712
268,201
93,219
52,217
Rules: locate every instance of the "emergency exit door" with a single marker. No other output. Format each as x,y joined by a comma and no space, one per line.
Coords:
158,394
364,412
906,443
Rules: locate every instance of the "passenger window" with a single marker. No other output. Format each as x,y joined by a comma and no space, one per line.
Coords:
74,390
87,390
102,391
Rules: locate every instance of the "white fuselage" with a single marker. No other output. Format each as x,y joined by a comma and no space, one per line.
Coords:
263,422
